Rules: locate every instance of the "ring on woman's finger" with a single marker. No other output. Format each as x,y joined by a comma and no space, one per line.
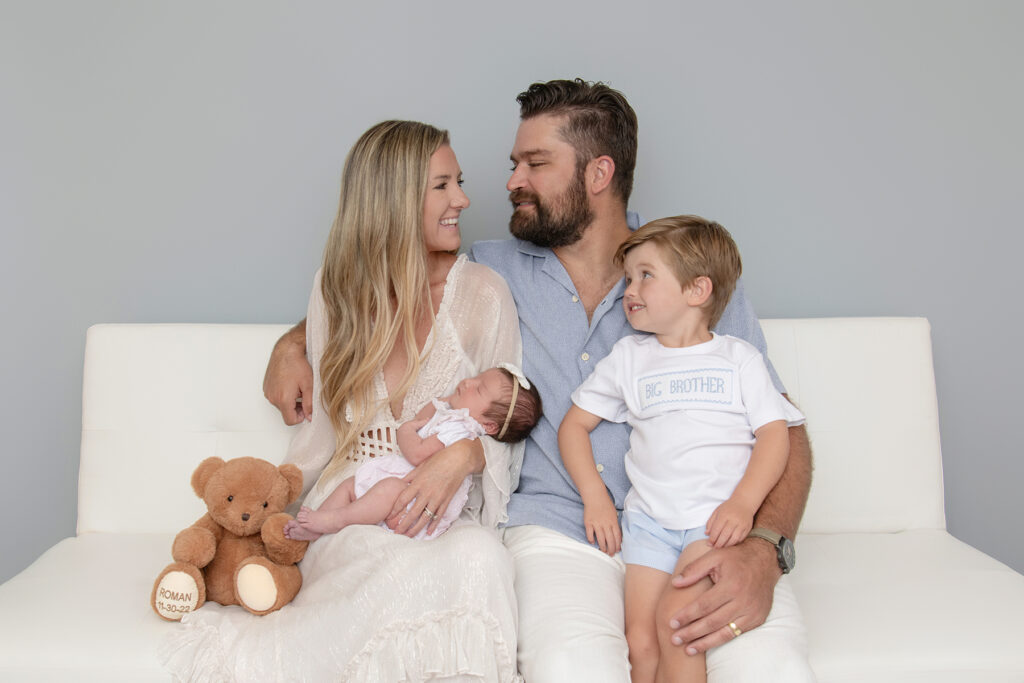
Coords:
735,629
428,513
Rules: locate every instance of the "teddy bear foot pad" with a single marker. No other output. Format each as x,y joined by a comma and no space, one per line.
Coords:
256,588
175,595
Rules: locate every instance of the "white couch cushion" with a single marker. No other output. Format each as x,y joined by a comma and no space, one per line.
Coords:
156,401
81,612
916,606
868,389
887,608
866,385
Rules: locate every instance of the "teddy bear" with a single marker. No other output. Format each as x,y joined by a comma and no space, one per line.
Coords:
236,554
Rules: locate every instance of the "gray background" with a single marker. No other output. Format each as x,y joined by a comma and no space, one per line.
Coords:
179,162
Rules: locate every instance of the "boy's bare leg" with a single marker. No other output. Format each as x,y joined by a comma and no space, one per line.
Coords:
372,507
644,587
674,664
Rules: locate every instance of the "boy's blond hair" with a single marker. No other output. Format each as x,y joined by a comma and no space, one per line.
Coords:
693,246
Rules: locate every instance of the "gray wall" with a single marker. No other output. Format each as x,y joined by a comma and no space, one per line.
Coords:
179,162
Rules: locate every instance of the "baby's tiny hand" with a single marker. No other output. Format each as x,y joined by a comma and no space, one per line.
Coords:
729,524
601,521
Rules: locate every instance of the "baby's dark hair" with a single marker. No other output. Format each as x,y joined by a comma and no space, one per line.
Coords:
525,415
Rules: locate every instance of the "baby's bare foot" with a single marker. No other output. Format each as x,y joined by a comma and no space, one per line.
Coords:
303,514
296,532
322,521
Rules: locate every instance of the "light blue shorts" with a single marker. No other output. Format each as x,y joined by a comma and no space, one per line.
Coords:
646,543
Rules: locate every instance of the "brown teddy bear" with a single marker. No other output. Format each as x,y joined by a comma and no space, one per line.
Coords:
236,554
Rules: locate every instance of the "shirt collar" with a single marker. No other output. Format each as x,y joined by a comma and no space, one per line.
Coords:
532,249
524,247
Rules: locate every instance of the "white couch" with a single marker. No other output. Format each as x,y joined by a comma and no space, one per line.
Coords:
887,593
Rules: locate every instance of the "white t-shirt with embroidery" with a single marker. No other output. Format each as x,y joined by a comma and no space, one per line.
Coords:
693,411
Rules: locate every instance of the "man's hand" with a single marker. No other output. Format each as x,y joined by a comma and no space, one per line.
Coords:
602,524
744,578
432,485
744,575
729,524
288,383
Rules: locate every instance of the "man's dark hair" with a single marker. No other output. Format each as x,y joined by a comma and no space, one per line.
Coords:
599,121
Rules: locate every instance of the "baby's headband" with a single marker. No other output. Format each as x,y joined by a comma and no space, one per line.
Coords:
520,381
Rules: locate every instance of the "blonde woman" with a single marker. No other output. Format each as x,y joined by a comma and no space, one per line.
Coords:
394,320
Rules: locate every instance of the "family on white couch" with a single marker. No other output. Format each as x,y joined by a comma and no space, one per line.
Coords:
437,318
518,587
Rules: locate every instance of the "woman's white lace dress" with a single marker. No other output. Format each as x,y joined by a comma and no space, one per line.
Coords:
375,606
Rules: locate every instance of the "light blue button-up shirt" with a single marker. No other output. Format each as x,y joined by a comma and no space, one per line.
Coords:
560,348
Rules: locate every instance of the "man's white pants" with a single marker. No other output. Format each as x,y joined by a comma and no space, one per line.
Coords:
571,619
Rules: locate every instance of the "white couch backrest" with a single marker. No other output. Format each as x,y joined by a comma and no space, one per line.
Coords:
867,387
158,399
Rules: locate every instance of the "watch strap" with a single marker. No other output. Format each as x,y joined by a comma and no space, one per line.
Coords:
772,537
784,550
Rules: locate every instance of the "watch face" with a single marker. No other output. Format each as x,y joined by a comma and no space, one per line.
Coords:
787,553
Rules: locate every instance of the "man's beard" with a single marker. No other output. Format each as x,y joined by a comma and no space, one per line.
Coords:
561,225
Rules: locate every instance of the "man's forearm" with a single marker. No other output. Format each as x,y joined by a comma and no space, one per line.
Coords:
784,506
294,338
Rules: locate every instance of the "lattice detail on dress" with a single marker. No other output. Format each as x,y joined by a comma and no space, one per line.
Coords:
373,443
445,352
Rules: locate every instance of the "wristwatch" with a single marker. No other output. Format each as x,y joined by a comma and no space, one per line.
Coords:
783,547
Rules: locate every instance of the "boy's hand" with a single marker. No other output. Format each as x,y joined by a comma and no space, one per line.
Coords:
601,520
729,524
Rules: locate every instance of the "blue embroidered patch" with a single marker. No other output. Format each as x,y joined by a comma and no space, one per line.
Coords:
704,385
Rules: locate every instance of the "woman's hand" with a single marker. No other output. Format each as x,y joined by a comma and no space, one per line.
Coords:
432,485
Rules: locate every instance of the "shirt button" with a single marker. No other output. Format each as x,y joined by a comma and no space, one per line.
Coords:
585,356
575,299
600,468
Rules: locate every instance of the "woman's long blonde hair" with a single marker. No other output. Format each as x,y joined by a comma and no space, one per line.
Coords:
374,278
